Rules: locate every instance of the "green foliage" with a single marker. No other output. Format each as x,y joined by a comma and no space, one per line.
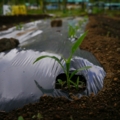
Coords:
108,33
34,11
38,116
20,118
78,82
61,82
72,30
66,69
19,26
96,10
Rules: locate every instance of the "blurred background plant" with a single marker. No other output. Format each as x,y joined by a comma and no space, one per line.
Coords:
63,8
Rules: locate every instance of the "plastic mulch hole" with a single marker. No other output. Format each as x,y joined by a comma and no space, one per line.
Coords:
80,88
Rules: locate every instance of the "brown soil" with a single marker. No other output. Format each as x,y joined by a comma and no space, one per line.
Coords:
9,21
8,44
103,40
56,23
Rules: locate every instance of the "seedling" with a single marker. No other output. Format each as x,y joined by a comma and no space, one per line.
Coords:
19,26
72,31
62,83
20,118
38,116
108,33
80,22
77,83
66,69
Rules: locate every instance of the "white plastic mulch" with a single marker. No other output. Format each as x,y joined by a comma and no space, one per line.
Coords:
28,30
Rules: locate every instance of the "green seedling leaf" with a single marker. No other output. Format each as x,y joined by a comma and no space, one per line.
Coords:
78,43
39,116
19,26
73,82
20,118
66,69
61,82
67,65
80,22
71,31
77,80
47,56
80,69
77,84
33,116
76,28
82,83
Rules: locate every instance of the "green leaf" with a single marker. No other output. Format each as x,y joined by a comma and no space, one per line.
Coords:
39,116
20,118
73,73
67,66
53,57
61,82
66,69
73,82
64,82
71,31
33,116
76,28
78,43
82,83
77,81
80,69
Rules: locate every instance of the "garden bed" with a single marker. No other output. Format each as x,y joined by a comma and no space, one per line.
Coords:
9,21
103,40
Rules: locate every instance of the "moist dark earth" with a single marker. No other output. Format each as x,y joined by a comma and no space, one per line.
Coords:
103,40
9,21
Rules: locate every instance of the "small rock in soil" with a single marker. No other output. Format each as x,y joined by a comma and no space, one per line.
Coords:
92,94
118,49
115,79
4,26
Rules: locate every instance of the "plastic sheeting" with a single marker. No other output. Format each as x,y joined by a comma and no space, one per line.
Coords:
27,31
17,71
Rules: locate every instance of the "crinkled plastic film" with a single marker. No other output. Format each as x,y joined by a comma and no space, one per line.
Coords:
17,71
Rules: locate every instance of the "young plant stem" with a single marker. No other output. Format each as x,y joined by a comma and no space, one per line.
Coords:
66,69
